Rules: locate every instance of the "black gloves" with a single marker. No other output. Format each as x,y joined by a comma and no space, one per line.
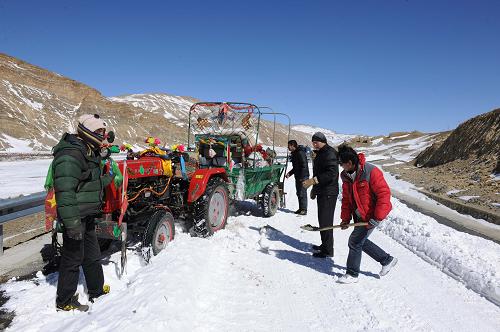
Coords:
312,194
344,224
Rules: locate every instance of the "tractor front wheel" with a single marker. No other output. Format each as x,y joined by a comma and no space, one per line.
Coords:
160,231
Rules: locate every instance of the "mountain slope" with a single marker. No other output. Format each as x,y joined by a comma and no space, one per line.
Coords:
38,106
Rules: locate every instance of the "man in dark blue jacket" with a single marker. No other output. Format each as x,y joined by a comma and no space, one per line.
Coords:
300,169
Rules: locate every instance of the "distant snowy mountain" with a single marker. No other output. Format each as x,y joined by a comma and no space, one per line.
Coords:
333,138
173,108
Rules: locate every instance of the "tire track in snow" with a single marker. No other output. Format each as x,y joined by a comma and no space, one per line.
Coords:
305,305
221,291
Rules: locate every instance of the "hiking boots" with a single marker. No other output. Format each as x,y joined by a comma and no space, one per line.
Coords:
301,212
388,267
322,254
105,290
316,248
72,305
347,279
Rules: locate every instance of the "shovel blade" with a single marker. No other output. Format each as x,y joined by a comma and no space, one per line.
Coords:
309,227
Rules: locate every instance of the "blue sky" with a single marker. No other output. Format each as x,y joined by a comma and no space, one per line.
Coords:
367,67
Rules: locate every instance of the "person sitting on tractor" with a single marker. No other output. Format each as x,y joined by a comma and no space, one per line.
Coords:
79,185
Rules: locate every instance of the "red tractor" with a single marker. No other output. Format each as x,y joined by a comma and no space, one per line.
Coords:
162,185
157,188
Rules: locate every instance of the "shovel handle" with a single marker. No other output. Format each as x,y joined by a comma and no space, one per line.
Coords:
339,226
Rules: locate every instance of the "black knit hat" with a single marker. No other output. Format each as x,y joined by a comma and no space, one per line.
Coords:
319,137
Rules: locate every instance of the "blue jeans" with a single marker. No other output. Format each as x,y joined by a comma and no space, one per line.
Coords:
358,242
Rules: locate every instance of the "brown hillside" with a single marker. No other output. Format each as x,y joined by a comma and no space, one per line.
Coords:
37,106
478,137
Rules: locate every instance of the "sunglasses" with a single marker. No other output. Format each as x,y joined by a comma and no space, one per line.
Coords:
101,131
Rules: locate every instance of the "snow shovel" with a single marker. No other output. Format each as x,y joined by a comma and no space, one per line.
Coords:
310,227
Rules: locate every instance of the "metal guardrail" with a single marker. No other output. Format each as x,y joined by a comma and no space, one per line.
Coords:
18,207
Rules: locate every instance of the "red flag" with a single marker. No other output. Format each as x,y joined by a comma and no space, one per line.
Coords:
50,209
124,202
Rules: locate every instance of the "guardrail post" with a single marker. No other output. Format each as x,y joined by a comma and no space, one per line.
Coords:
1,239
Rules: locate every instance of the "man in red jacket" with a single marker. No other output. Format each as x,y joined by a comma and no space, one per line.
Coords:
365,197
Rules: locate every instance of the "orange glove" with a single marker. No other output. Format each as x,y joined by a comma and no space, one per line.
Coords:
309,182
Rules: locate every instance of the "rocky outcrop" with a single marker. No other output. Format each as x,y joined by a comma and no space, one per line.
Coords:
477,138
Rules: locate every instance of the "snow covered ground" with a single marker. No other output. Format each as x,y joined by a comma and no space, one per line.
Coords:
22,177
249,277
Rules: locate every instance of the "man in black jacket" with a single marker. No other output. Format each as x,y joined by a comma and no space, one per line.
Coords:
300,169
325,182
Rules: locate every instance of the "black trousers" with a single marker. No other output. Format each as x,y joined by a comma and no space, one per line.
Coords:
326,209
301,194
76,253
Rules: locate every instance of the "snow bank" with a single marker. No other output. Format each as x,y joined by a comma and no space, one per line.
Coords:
373,157
453,192
468,198
17,145
467,258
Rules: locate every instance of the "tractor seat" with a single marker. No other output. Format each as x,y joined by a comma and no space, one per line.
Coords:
219,161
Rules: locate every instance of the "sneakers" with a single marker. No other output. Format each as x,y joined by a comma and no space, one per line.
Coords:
388,267
298,211
105,290
73,305
347,279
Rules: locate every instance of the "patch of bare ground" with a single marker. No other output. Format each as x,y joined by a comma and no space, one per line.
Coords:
23,229
460,184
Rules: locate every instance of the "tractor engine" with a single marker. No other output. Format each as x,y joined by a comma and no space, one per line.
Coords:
148,183
147,191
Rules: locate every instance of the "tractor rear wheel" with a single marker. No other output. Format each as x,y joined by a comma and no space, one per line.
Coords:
159,232
270,200
212,208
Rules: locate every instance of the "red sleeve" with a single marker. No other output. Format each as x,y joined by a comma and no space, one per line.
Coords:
346,211
383,194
